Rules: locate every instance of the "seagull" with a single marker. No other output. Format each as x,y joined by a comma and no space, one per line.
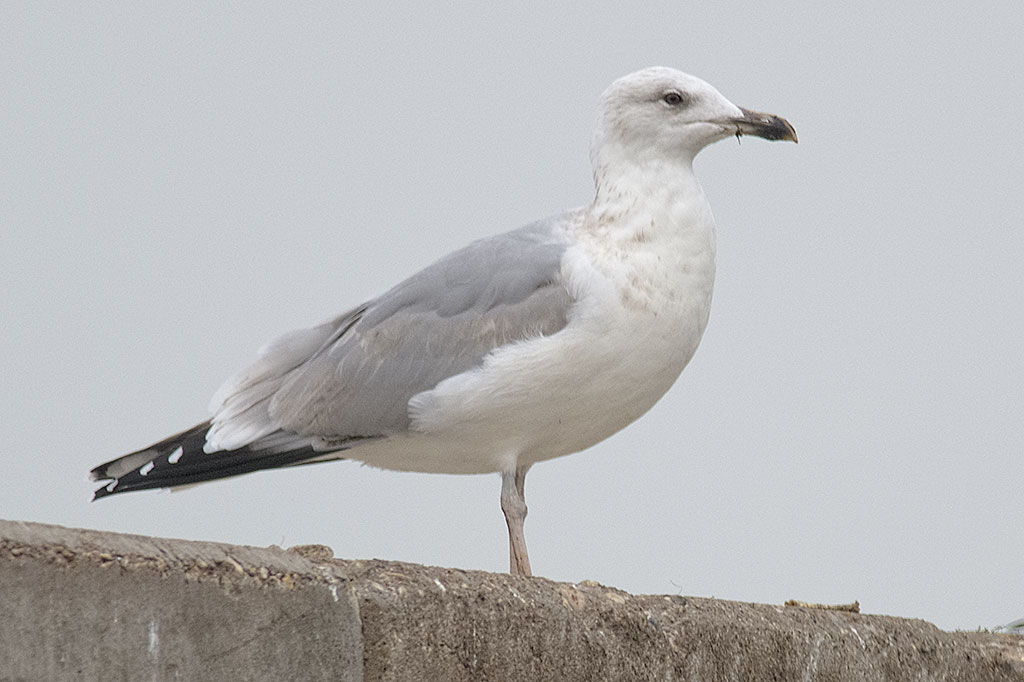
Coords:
518,348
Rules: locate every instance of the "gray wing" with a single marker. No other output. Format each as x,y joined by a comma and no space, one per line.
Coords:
352,377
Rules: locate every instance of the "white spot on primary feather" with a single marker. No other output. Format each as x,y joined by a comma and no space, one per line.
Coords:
175,456
146,468
124,465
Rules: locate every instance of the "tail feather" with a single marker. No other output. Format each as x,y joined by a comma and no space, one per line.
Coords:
180,460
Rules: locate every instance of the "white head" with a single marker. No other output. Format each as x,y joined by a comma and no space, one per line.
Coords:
660,114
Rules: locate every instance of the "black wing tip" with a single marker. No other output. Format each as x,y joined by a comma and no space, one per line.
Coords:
181,460
158,469
163,448
109,486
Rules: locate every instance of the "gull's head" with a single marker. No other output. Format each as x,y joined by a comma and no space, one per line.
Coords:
660,114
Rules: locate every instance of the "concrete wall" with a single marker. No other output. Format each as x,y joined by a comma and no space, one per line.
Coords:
85,605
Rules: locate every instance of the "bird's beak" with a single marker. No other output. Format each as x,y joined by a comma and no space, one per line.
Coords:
768,126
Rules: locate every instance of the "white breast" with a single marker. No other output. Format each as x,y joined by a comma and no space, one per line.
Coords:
643,280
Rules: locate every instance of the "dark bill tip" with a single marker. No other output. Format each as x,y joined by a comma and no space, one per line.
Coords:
768,126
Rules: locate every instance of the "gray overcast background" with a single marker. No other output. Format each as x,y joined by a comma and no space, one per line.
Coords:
179,185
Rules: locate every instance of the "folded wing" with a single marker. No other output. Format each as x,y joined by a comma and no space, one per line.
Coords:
350,379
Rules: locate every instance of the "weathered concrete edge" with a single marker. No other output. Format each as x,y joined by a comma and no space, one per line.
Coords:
84,604
196,560
418,622
422,622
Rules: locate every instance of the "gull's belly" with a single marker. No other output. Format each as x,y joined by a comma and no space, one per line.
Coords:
624,347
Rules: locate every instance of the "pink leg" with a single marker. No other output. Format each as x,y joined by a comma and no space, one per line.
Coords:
513,503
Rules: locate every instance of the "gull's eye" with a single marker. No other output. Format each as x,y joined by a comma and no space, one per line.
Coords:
673,98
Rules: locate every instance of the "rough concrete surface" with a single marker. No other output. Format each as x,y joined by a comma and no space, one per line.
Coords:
444,624
84,605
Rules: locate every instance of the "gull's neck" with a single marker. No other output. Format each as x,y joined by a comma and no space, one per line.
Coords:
656,195
650,232
612,178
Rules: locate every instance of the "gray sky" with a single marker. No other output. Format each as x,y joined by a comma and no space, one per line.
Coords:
180,185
